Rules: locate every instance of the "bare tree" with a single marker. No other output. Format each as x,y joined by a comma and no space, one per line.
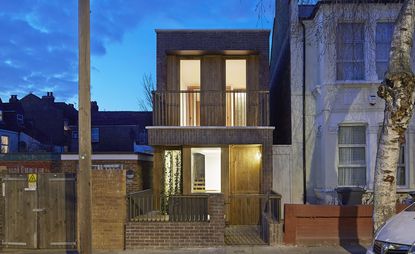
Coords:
397,90
147,86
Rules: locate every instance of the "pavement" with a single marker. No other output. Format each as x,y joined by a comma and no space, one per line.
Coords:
353,249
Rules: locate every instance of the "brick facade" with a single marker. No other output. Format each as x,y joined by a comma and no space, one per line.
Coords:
215,42
180,234
109,209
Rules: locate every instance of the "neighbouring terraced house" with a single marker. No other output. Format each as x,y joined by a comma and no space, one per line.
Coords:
327,62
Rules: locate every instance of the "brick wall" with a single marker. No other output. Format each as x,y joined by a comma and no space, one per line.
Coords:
328,224
108,209
141,170
180,234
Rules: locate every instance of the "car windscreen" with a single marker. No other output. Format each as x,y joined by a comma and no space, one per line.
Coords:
411,208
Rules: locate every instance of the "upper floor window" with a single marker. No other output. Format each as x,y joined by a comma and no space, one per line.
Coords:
236,92
350,51
352,156
190,92
1,115
74,134
95,135
20,118
4,144
384,32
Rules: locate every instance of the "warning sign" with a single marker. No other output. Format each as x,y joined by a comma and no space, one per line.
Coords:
32,181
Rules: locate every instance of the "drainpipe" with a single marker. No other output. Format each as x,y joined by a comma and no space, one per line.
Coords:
304,118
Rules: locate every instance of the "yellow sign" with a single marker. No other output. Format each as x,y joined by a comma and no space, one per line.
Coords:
31,182
32,178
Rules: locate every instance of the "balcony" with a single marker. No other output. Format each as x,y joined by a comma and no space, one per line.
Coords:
211,108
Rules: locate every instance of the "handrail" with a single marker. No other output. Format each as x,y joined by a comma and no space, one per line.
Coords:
211,107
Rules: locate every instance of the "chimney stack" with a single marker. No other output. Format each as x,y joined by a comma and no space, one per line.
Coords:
49,97
94,106
13,98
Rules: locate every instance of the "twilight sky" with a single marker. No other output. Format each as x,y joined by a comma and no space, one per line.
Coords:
39,43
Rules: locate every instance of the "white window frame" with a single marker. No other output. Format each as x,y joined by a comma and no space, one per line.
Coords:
352,146
354,61
4,145
376,43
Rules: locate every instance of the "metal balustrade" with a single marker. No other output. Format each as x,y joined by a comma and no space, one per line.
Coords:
211,108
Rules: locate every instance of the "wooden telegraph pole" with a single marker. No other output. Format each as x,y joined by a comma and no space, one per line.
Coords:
84,131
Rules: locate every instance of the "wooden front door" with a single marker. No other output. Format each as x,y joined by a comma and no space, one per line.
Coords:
245,175
41,217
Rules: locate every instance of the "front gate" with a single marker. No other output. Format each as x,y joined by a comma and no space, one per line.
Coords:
40,211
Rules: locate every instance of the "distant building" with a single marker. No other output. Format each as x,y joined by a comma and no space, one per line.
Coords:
116,131
15,134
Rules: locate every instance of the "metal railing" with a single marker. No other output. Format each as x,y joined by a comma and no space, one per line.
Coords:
144,206
221,108
273,207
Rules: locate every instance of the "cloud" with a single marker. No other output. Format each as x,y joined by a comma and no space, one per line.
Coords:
38,46
38,42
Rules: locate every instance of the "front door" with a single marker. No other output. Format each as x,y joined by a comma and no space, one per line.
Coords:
40,214
245,175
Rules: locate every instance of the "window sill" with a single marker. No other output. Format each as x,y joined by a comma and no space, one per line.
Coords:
357,82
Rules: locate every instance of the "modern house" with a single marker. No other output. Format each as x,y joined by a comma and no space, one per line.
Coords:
210,130
327,62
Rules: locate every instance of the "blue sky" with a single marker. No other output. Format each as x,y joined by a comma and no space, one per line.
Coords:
39,50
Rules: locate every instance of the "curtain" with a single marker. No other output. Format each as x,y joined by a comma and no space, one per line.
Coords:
352,156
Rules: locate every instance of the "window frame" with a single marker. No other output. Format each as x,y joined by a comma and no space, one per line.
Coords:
391,22
4,145
19,118
354,61
339,165
194,190
97,138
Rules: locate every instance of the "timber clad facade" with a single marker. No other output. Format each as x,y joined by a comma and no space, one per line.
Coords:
210,128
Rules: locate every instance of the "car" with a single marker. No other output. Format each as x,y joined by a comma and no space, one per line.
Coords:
397,235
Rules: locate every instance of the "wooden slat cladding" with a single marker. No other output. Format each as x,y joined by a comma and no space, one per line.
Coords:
209,136
252,78
171,103
212,80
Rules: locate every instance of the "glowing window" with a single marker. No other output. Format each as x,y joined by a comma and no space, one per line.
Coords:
206,169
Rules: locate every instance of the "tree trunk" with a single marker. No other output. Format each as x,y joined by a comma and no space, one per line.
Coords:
397,90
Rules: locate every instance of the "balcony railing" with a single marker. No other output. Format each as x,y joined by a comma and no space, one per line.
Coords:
211,108
144,206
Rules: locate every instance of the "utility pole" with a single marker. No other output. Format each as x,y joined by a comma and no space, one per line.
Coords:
84,131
